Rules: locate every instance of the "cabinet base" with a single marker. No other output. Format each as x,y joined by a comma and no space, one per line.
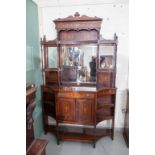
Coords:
79,135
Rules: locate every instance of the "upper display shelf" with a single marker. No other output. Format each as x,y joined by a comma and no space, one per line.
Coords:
100,41
79,62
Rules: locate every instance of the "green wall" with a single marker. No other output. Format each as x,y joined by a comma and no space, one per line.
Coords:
33,60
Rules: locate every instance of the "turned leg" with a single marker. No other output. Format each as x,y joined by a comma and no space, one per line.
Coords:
57,133
58,142
45,123
112,130
112,135
94,143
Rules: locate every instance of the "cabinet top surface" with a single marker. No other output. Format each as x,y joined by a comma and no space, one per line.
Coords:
82,89
90,89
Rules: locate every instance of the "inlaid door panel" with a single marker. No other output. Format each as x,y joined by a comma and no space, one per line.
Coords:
85,110
66,109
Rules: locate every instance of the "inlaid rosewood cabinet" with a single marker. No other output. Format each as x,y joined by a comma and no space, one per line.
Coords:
79,69
75,107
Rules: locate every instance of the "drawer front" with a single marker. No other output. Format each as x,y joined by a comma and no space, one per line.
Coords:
76,95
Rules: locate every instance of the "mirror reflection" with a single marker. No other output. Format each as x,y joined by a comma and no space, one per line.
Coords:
106,55
52,57
78,63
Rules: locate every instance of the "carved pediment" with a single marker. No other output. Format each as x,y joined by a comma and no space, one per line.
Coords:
78,22
77,17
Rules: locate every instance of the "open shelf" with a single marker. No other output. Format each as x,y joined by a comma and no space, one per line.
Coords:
80,134
105,105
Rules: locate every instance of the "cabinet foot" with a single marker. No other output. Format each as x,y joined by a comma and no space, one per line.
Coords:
94,145
58,142
45,131
112,137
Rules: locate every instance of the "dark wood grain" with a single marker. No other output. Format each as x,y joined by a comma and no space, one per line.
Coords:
37,147
33,146
71,106
30,105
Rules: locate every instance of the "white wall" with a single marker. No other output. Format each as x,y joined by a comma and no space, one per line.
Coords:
115,19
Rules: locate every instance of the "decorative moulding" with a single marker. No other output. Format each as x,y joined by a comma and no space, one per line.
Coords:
78,22
77,17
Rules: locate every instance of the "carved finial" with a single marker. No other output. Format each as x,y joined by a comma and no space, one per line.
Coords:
44,38
115,36
76,14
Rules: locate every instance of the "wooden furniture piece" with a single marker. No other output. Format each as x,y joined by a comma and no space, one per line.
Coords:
37,147
33,146
30,105
79,69
126,122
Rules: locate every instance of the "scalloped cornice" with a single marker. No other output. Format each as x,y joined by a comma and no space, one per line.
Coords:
77,23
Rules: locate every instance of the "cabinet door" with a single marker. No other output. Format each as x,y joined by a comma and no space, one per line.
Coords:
85,110
65,110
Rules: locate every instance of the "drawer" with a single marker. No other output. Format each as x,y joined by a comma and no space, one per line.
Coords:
76,95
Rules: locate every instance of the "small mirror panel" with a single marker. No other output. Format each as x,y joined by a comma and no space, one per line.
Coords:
52,57
106,57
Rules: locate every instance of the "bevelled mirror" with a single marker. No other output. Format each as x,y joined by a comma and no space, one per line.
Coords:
78,63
